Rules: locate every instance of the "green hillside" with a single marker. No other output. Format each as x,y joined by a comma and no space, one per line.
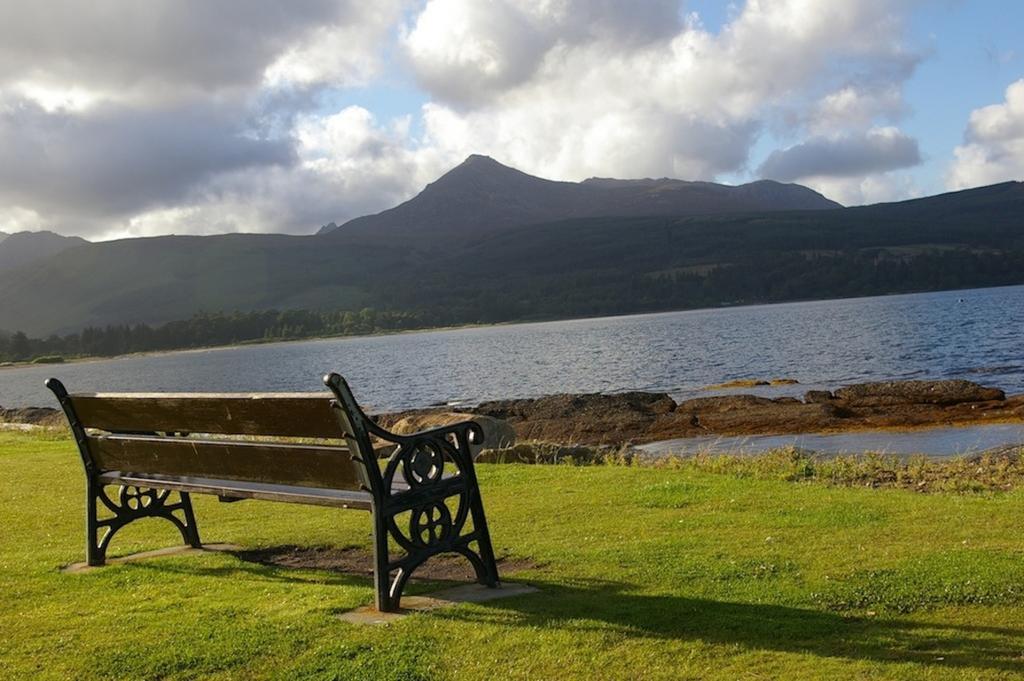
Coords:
619,265
573,267
165,278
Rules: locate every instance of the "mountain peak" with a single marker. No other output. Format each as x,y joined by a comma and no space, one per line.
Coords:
478,164
481,177
481,159
482,196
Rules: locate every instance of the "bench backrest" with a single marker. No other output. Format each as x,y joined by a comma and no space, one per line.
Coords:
142,433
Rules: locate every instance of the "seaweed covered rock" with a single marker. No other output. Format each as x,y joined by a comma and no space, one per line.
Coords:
890,393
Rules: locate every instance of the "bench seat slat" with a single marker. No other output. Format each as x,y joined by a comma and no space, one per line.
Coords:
272,414
262,462
244,490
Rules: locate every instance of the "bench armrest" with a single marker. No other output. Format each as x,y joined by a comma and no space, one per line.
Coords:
467,432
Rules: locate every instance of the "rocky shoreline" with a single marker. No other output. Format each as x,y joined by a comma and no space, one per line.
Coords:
34,416
640,417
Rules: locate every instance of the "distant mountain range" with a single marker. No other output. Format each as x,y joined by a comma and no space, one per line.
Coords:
486,243
481,197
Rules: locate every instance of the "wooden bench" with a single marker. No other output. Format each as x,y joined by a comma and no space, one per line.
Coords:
424,499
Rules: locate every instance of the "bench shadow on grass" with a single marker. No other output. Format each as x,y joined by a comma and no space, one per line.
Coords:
246,569
756,626
254,572
587,604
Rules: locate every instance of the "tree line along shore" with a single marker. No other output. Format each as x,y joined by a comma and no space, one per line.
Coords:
484,300
207,330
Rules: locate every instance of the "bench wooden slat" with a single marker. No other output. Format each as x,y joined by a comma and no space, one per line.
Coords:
273,415
282,464
245,490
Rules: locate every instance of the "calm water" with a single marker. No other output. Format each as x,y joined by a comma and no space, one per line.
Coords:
936,442
964,334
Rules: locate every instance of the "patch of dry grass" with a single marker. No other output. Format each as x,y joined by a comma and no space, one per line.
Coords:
1001,470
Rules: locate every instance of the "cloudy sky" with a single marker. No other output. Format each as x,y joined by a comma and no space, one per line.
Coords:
122,118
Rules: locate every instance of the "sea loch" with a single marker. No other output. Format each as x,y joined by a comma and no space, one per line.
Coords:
972,334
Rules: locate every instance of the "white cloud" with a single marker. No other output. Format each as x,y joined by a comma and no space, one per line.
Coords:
125,117
581,101
142,51
338,54
993,149
113,160
469,52
348,164
857,107
190,116
17,219
852,168
872,188
877,150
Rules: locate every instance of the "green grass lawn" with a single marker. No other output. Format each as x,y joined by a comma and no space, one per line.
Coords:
643,573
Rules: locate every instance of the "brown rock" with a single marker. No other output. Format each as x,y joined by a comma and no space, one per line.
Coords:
39,416
738,383
590,418
723,403
566,405
889,393
772,417
497,433
818,397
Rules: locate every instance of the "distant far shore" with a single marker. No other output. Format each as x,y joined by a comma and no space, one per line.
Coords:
247,343
67,359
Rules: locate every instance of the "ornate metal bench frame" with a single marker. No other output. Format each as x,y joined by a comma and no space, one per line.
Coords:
424,472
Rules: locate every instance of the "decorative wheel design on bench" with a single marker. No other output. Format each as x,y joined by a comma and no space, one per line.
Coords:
424,464
430,525
442,502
